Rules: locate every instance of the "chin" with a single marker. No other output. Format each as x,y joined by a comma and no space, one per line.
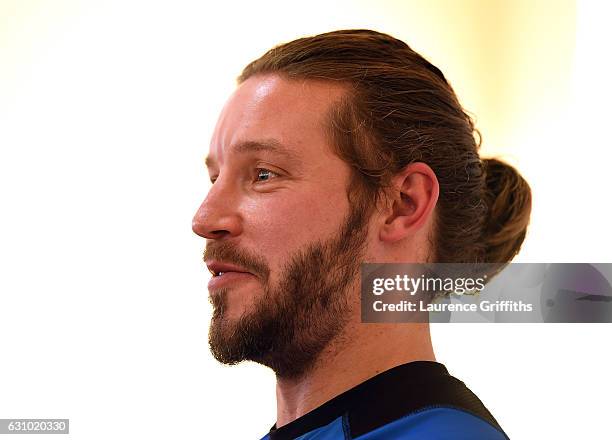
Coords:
239,303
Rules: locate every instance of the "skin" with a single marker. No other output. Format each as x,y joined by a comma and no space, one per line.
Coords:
273,215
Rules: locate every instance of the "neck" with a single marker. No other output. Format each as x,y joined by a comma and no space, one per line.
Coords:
347,362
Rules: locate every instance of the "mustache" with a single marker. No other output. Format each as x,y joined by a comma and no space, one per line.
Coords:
228,253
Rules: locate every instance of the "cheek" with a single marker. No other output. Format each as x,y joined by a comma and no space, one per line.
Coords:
280,224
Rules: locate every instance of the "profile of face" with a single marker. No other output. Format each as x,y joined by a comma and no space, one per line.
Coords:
279,227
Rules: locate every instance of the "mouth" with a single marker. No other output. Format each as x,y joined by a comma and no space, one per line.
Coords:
224,275
219,269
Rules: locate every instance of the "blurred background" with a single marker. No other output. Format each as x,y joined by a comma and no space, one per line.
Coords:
106,110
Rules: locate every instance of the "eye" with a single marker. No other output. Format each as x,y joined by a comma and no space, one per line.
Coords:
264,175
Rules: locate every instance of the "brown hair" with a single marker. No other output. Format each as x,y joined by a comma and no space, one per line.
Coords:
399,109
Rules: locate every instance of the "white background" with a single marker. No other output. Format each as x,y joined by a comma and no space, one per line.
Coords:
106,109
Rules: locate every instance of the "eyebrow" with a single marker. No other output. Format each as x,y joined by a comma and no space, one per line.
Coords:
269,145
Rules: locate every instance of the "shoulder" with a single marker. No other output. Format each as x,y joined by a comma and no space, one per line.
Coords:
440,423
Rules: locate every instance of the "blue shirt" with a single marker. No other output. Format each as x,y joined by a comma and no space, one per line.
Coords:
417,400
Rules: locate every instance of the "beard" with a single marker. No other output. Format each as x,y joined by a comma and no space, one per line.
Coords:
295,320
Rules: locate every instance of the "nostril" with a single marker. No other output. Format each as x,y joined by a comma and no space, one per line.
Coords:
219,233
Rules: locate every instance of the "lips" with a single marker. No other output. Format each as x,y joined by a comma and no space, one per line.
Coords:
225,274
229,279
217,268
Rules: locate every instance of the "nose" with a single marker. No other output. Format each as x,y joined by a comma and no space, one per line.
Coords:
218,216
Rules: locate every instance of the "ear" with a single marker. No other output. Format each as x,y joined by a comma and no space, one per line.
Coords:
414,195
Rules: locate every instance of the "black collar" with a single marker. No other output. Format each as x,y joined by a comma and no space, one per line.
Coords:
387,396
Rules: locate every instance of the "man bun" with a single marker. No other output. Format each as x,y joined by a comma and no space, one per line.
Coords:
508,199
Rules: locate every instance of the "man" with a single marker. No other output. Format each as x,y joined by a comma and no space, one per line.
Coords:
334,150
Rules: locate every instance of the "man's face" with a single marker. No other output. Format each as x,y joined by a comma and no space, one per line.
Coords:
279,226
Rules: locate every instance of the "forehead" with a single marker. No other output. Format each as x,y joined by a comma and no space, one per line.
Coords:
268,110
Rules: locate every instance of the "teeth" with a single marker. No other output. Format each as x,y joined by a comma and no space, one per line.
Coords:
220,273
